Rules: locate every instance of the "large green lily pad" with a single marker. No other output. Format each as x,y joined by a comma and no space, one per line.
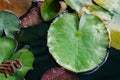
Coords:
78,46
7,49
9,23
111,5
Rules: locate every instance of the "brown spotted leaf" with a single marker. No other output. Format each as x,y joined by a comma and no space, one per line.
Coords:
58,74
18,7
32,18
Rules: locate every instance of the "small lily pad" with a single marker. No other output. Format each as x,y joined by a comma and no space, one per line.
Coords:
26,62
9,23
78,46
7,49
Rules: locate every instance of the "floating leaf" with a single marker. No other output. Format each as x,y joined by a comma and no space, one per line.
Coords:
7,49
18,7
78,48
111,5
77,4
49,9
26,62
114,28
58,74
32,18
9,23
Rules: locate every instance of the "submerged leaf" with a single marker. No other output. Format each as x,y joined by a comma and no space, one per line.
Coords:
111,5
18,7
33,33
9,23
78,47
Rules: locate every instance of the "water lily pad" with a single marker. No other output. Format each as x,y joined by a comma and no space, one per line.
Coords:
18,7
9,23
7,49
77,4
111,5
26,62
78,47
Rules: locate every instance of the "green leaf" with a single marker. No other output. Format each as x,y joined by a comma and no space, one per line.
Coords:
9,23
78,47
49,9
26,57
111,5
77,4
7,47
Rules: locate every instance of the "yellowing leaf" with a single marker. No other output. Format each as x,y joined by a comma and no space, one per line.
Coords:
114,27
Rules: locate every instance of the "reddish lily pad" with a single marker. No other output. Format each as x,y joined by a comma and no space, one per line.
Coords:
32,18
58,74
